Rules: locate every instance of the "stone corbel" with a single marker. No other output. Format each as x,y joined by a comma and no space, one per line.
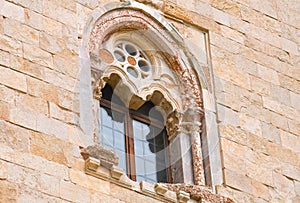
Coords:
172,124
183,197
108,158
97,87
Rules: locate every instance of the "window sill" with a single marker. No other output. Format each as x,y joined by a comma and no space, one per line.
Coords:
102,163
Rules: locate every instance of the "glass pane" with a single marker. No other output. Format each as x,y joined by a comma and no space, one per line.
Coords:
140,166
112,134
107,136
122,159
119,140
150,156
106,120
138,148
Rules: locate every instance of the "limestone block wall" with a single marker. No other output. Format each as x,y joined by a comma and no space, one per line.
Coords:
255,59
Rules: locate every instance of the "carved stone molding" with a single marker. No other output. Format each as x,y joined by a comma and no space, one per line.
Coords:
201,193
159,4
167,46
97,89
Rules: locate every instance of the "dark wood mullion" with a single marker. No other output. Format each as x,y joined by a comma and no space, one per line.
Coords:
145,119
127,146
131,148
168,159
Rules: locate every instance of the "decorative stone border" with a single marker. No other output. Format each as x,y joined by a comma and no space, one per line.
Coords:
115,175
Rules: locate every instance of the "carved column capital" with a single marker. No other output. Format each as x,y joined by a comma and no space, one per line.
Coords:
97,87
172,124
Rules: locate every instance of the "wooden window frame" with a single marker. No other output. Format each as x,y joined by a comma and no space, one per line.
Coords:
129,115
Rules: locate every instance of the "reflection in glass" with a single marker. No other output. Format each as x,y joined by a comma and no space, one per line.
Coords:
150,153
112,133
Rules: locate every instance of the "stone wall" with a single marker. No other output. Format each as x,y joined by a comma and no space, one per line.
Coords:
254,48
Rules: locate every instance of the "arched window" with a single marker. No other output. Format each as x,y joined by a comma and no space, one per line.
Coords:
137,136
134,55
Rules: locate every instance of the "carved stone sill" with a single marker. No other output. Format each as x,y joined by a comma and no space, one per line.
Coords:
197,192
101,163
183,197
115,175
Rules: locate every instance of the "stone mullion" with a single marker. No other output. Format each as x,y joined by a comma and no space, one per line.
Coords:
198,169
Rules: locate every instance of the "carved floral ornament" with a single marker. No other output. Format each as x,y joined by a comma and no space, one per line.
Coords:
143,60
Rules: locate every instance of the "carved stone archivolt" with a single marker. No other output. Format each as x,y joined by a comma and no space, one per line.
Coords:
162,67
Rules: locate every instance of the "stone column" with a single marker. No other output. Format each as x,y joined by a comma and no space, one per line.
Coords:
191,125
185,147
199,177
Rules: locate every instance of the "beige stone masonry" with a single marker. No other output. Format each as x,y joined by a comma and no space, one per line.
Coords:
254,54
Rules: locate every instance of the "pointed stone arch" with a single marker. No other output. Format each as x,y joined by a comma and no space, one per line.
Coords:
138,21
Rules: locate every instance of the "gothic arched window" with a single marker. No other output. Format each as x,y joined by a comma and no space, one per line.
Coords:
140,67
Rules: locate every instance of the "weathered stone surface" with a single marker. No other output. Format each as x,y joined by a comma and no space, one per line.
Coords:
271,133
107,157
297,187
63,115
37,55
53,27
295,98
5,59
233,133
283,185
21,32
261,190
42,89
55,10
34,19
27,194
98,197
268,75
251,124
31,103
3,171
13,79
230,7
238,181
290,141
23,117
8,191
33,162
68,100
4,110
89,3
281,109
35,5
88,181
51,148
73,192
260,86
11,10
60,80
27,67
228,116
13,136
